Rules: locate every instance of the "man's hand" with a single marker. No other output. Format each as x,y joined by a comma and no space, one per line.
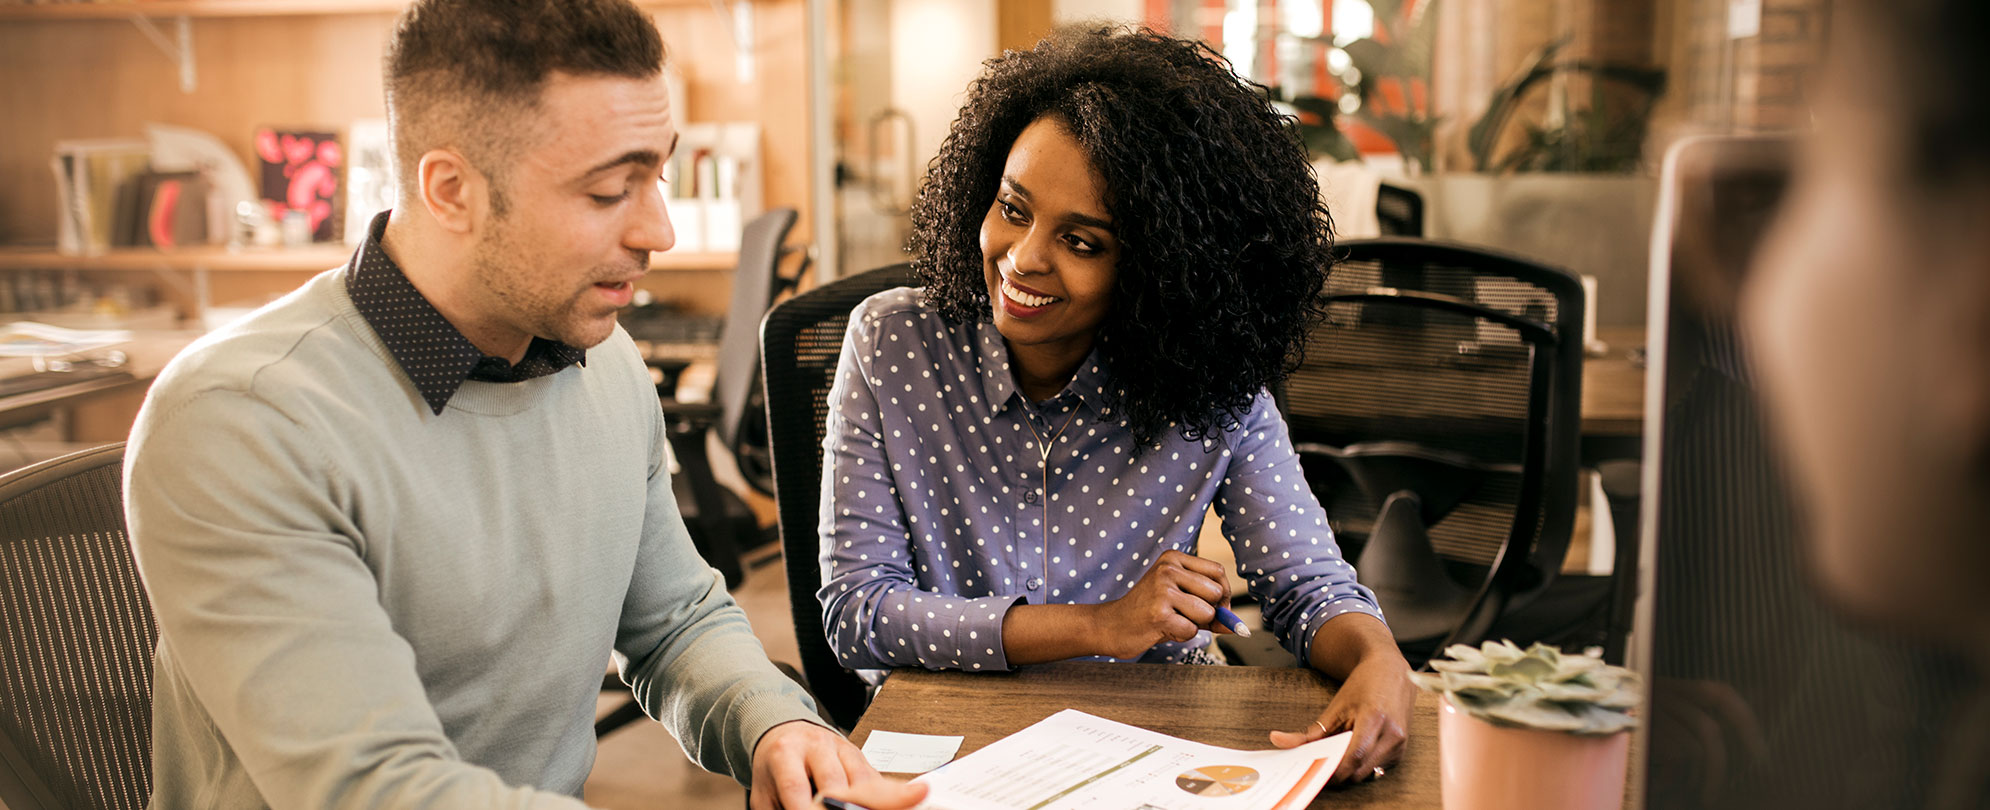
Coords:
795,759
1374,702
1174,599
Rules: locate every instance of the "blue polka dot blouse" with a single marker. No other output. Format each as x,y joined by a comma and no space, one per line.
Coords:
936,518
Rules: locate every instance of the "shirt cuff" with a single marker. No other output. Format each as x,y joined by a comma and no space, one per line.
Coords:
761,716
977,635
1327,611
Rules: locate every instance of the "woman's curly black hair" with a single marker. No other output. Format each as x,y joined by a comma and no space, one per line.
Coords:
1224,243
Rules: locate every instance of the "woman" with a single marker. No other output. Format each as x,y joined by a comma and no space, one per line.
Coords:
1121,246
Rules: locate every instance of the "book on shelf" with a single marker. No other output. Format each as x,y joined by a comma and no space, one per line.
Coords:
175,209
181,149
712,184
164,210
68,232
88,176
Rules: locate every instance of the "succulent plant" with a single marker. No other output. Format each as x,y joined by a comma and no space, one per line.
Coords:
1539,687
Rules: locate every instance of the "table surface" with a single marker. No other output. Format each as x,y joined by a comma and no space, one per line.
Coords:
1613,389
1232,707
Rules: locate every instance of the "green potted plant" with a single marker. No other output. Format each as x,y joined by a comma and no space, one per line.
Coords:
1532,728
1392,69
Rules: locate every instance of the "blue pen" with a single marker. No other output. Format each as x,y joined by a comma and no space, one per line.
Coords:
1230,620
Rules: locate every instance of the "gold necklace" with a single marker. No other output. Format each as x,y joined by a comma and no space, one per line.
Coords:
1043,470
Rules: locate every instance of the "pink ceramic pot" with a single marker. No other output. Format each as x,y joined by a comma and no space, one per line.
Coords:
1488,767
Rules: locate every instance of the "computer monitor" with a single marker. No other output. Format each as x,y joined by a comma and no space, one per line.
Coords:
1761,695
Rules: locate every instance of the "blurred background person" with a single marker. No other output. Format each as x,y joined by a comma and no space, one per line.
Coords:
1868,318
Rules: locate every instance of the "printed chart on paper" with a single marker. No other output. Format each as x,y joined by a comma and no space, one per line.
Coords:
1076,761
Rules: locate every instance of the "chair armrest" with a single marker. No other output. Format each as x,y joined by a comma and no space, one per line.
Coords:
1315,449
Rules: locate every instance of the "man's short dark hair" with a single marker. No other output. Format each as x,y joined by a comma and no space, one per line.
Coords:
464,74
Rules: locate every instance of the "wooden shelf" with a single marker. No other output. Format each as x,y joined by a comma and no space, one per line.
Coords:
256,260
220,8
217,259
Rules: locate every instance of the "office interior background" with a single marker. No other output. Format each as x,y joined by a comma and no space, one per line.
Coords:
1534,127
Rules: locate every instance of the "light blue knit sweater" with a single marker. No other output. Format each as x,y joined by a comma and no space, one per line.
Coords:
364,604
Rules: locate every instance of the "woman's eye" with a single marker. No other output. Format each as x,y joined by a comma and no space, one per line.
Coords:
1082,247
1010,212
608,199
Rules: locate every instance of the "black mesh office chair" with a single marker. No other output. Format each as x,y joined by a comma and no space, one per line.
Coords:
76,637
1437,413
801,342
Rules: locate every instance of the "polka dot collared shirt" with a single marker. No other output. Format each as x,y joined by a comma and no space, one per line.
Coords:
433,353
940,511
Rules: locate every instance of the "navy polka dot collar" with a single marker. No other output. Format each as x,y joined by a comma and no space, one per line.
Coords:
1087,387
434,354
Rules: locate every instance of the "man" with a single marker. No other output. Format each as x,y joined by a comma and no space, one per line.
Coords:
393,524
1869,312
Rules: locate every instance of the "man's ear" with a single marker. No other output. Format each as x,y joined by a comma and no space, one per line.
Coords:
454,192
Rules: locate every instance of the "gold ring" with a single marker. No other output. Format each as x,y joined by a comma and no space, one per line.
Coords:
1323,727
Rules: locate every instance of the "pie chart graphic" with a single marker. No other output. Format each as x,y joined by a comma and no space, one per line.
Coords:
1217,780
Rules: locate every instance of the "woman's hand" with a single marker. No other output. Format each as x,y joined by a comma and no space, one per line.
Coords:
1374,702
1174,599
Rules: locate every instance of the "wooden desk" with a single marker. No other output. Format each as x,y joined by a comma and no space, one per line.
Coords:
1228,706
1613,399
1613,390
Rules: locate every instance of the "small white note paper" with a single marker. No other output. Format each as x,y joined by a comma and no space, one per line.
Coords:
893,752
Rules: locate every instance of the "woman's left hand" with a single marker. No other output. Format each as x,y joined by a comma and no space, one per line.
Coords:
1374,702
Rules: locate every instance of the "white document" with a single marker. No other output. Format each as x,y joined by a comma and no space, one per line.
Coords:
893,752
30,339
1073,760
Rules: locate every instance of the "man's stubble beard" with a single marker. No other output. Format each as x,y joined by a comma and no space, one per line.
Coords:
503,272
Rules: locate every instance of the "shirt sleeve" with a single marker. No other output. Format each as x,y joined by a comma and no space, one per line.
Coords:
686,649
1284,546
873,609
266,607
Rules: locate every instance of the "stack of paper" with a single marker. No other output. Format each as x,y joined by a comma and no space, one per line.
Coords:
30,339
1073,760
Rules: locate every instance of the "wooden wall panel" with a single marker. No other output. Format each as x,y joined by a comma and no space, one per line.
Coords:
1019,24
102,78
